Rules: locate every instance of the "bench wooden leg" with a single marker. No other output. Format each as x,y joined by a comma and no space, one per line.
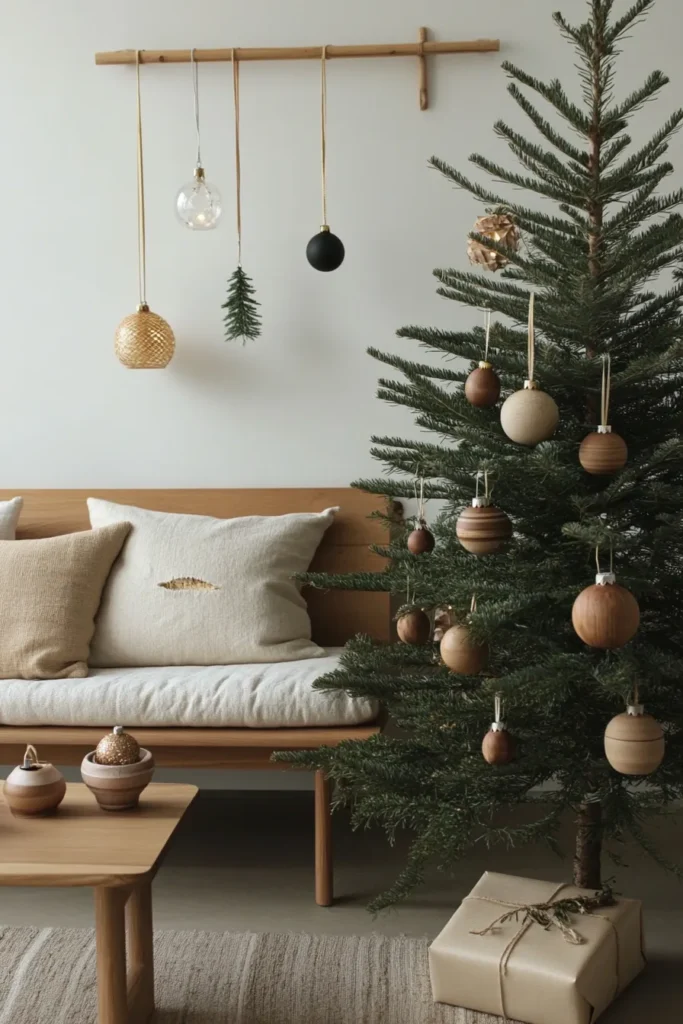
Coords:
324,893
124,997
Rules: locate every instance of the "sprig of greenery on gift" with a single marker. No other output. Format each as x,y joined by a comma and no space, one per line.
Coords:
600,237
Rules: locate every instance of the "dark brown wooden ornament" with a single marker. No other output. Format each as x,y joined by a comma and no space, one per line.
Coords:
483,529
482,387
421,541
498,746
603,453
606,615
414,627
460,653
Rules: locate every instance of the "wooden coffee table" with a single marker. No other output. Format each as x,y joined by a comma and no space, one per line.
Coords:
117,854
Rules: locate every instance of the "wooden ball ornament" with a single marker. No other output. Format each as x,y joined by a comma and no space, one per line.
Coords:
421,541
603,453
606,615
529,416
118,747
460,653
483,529
414,627
498,746
482,387
634,742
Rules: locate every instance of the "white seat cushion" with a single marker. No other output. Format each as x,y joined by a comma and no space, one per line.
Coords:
274,695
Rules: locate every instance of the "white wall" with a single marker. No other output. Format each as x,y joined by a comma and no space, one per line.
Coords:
298,406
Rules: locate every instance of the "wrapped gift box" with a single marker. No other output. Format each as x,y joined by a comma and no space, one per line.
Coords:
522,971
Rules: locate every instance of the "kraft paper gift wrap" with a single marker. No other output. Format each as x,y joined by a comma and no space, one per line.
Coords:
529,973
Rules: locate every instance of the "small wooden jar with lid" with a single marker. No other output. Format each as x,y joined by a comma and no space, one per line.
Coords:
34,787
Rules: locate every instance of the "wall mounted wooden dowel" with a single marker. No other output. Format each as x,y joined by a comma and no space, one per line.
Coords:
421,49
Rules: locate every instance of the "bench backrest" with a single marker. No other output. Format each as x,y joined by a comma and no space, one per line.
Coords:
336,615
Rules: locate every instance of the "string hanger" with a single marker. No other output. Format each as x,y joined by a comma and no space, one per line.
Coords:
606,385
238,166
477,477
531,338
323,130
420,498
487,328
611,556
195,89
498,707
142,254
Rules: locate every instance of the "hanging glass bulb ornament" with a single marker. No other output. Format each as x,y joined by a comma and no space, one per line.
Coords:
143,340
482,387
198,204
325,251
603,452
529,416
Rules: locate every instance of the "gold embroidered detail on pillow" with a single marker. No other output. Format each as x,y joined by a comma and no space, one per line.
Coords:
187,583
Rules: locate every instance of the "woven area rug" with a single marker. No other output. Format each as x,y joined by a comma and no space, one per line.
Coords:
47,976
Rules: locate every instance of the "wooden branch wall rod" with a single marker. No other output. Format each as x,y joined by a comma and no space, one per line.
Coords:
421,49
418,49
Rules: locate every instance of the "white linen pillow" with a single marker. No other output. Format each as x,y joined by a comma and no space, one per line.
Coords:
194,590
9,515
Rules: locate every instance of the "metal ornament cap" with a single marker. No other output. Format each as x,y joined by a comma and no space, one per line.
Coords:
605,578
603,428
481,502
530,385
485,365
199,173
635,710
498,727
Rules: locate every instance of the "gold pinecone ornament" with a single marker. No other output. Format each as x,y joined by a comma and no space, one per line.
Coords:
118,747
501,229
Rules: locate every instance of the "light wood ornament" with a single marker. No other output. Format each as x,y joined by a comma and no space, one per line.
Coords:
529,416
634,742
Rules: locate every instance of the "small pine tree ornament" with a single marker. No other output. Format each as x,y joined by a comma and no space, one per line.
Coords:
603,452
460,652
482,387
483,529
634,741
242,318
498,746
529,416
500,227
421,540
605,615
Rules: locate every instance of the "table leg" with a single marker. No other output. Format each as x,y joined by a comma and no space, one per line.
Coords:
111,955
140,953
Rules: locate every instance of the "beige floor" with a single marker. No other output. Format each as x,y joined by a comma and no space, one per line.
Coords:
243,862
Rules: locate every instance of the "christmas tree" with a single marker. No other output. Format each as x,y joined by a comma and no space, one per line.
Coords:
591,263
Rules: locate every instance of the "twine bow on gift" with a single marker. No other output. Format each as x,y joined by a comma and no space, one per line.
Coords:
553,913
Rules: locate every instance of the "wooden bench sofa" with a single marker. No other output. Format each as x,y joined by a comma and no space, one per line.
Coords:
336,616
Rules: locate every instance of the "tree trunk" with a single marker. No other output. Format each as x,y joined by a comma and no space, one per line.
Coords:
588,847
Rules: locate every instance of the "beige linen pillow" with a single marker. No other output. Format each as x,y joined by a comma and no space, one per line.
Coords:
194,590
49,593
9,514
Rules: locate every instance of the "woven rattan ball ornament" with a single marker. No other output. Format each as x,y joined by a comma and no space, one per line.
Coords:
483,529
606,615
144,341
501,229
118,747
460,653
413,626
634,742
603,452
529,416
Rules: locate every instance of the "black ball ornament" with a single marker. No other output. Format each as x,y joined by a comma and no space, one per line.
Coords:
325,251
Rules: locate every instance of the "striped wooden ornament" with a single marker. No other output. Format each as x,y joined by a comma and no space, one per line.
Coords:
482,528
